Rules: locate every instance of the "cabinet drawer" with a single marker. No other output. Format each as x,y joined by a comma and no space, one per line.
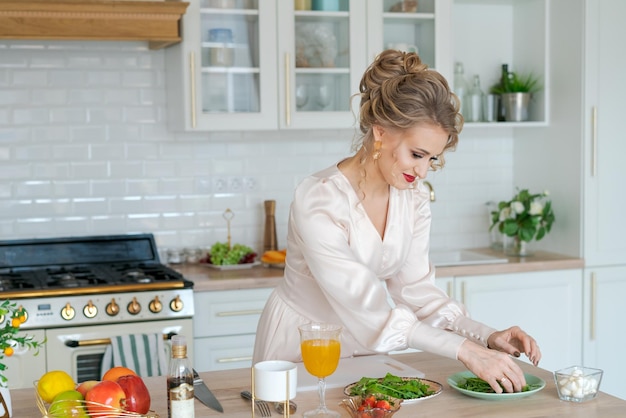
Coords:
222,353
228,312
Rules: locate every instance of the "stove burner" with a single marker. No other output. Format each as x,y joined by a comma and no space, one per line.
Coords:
72,277
138,276
14,281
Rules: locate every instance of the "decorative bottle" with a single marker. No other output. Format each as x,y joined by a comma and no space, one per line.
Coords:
503,87
180,397
461,87
475,102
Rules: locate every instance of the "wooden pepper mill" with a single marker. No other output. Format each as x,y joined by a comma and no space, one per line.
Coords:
270,241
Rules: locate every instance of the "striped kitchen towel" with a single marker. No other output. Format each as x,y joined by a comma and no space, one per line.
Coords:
143,353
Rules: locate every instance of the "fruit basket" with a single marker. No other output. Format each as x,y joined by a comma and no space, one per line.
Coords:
83,409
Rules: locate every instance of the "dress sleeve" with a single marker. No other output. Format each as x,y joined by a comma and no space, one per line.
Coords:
323,227
414,287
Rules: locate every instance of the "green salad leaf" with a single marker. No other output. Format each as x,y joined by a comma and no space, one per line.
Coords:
476,384
221,255
391,385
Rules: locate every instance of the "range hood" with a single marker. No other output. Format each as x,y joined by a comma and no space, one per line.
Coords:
154,21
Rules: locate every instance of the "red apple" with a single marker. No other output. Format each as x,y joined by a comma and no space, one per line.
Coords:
85,386
137,395
111,397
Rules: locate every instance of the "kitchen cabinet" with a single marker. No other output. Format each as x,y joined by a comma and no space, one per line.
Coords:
604,339
261,66
547,305
223,74
586,135
427,29
224,326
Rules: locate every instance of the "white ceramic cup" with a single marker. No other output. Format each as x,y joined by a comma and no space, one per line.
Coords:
402,46
272,378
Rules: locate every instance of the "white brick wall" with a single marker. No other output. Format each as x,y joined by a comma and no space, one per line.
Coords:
85,150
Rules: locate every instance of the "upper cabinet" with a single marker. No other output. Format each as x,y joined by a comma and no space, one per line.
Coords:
412,26
297,64
320,62
223,75
249,65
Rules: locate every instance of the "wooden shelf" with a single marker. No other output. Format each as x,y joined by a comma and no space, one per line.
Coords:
157,22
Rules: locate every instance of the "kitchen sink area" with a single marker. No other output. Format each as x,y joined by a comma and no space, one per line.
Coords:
447,258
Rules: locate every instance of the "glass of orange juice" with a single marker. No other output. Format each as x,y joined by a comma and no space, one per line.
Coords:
320,353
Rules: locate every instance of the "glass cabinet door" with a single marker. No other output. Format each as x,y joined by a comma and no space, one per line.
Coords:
411,26
227,62
322,53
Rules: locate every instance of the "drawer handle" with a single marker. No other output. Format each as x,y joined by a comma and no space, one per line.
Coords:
240,313
234,359
103,341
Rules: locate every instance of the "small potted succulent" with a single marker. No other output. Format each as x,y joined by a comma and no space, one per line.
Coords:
525,217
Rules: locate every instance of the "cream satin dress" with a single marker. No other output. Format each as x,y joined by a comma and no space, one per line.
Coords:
336,270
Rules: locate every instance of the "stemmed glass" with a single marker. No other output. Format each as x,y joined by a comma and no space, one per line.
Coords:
302,95
320,353
324,98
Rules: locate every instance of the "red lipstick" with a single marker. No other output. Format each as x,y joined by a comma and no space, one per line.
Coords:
409,178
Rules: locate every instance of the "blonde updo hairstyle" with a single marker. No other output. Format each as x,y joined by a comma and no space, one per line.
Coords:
399,91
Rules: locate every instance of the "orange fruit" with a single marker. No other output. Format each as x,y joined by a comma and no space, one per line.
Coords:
116,372
8,351
15,322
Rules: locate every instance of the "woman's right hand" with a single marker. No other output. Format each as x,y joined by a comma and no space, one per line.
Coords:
492,366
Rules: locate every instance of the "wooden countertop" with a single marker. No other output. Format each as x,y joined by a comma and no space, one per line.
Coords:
227,384
208,279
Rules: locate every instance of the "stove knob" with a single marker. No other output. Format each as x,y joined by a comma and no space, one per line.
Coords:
68,312
90,310
176,304
155,305
134,307
112,308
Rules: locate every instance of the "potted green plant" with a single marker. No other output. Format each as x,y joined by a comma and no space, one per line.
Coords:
515,93
14,316
525,217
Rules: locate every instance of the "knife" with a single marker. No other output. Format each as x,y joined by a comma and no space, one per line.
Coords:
204,394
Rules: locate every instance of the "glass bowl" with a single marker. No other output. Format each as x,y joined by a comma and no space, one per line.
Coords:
578,383
353,403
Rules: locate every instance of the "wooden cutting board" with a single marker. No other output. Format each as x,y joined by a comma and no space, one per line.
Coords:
352,369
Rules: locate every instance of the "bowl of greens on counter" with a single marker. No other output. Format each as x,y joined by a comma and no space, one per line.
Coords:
469,384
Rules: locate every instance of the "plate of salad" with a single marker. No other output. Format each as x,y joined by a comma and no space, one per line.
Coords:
468,384
408,389
222,256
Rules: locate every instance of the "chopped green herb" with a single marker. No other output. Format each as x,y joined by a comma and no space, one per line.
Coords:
391,385
476,384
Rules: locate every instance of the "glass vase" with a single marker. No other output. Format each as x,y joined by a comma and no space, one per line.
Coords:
516,247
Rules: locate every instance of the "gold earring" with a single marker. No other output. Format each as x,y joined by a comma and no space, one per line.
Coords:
376,153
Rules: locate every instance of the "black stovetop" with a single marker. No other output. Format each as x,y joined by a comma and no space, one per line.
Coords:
83,262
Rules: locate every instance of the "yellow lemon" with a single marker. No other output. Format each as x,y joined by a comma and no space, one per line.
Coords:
54,382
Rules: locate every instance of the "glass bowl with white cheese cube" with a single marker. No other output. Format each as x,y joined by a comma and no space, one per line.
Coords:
578,383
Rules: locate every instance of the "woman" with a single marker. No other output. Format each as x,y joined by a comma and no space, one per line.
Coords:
365,222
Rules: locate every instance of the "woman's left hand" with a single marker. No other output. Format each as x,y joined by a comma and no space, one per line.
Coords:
514,341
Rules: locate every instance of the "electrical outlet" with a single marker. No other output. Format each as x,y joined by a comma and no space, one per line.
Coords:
249,184
219,185
235,184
